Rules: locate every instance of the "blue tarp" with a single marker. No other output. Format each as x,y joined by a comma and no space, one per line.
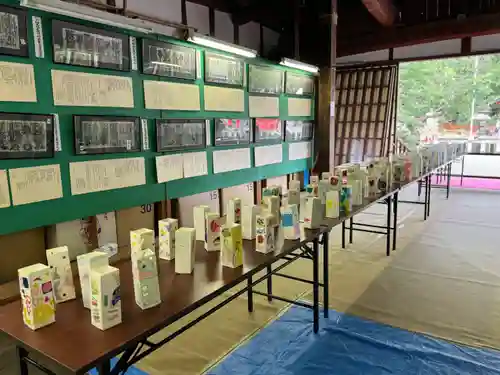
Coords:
131,371
348,345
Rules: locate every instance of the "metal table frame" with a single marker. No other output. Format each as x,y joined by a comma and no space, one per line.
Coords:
139,348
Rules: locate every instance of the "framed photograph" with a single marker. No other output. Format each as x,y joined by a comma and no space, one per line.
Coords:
168,60
13,32
180,134
299,131
268,130
224,69
75,44
232,131
297,84
265,80
26,136
107,134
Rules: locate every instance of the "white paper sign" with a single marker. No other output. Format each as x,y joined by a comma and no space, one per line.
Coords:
299,150
133,53
231,160
195,164
266,155
208,132
38,37
169,168
198,64
145,134
57,134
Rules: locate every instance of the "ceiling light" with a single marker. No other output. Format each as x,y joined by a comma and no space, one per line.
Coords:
207,41
299,65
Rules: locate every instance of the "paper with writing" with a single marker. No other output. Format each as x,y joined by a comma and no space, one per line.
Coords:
195,164
266,155
231,160
299,107
35,184
169,168
264,106
171,95
91,90
224,99
100,175
4,190
17,82
299,150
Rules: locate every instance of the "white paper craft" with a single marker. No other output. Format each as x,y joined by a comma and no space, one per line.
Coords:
295,185
184,250
332,204
290,222
212,230
195,164
106,311
248,218
357,192
234,211
146,282
326,176
169,167
37,296
62,277
323,188
86,263
106,235
199,213
141,239
313,213
166,230
231,246
293,197
265,239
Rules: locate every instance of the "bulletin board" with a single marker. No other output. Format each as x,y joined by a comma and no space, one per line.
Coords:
45,90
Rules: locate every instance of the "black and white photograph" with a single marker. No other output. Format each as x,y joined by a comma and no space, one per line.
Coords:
13,32
297,84
224,69
299,131
106,134
180,134
265,80
168,60
85,46
268,130
232,131
26,136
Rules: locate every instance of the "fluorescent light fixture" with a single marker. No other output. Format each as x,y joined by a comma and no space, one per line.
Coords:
299,65
89,14
223,46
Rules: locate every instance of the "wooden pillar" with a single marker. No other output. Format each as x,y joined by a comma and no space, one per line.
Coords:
324,145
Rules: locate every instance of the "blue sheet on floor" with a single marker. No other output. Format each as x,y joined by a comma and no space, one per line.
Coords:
131,371
347,345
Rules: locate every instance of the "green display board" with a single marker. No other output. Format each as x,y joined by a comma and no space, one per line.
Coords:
70,207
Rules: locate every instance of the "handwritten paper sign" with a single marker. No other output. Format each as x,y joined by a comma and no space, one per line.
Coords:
171,95
224,99
35,184
264,106
266,155
17,82
195,164
4,190
169,168
231,160
299,150
91,90
101,175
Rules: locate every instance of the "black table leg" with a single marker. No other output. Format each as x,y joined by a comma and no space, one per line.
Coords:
462,172
351,225
315,286
389,222
448,180
419,188
269,284
326,273
395,224
343,235
23,365
104,368
425,197
429,201
250,294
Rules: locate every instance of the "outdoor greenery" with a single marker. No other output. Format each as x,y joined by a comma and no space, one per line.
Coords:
448,88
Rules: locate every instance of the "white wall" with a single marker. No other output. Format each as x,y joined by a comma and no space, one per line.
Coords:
271,39
224,28
197,16
163,9
250,35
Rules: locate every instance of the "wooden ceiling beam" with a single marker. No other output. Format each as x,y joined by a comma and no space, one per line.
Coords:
423,33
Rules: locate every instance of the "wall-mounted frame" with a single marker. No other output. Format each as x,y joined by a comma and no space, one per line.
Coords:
299,131
223,69
26,136
265,80
13,32
75,44
232,131
107,134
168,60
180,134
297,84
268,130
